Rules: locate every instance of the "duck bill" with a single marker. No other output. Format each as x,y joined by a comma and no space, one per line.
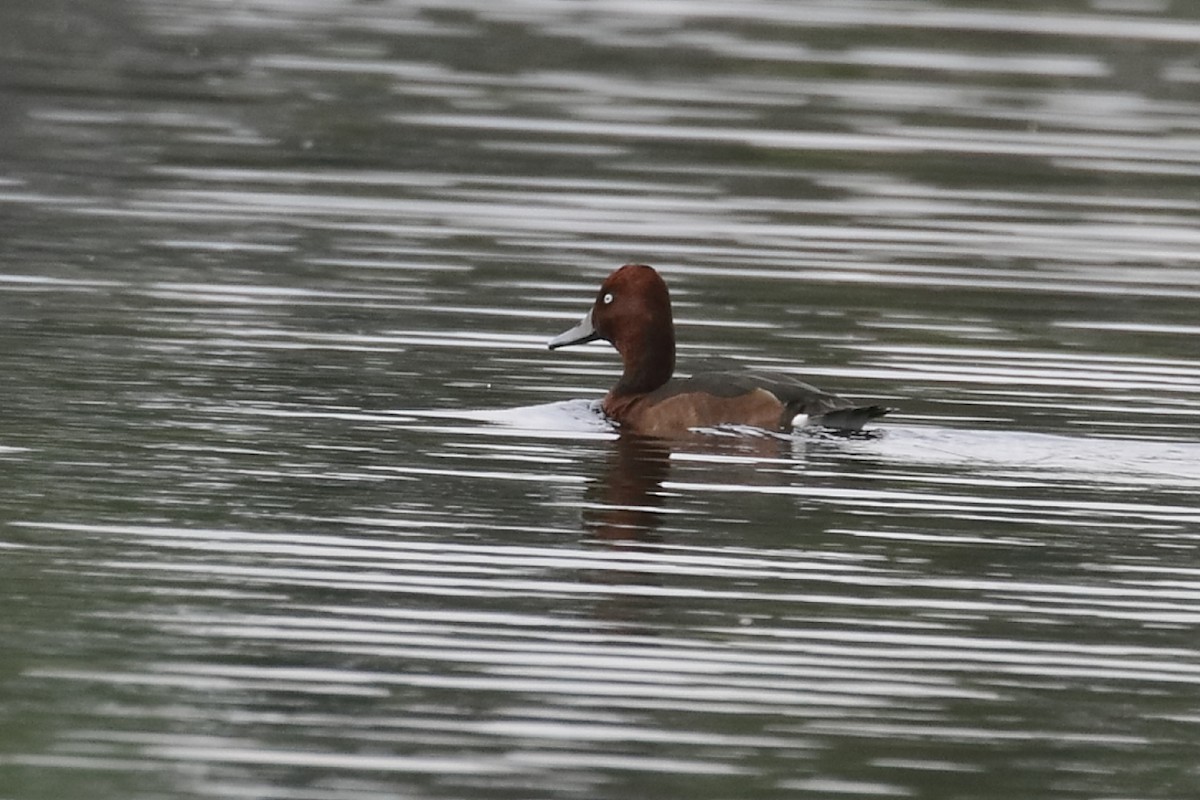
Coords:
585,331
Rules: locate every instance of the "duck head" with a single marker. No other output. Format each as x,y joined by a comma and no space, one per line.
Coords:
632,312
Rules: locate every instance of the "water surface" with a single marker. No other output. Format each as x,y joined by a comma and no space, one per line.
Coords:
298,505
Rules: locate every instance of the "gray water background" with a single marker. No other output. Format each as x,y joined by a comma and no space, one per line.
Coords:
297,505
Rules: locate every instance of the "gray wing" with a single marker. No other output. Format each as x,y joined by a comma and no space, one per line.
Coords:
798,397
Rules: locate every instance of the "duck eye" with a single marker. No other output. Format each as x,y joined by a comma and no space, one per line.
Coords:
608,298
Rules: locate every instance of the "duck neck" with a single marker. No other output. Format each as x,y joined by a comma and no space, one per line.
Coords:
649,363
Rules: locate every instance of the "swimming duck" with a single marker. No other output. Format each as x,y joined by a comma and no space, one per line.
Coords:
632,311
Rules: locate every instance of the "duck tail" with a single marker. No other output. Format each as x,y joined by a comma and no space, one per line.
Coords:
851,419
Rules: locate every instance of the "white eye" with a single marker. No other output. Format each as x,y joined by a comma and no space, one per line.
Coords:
608,298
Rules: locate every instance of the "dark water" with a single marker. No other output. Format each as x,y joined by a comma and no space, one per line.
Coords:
297,505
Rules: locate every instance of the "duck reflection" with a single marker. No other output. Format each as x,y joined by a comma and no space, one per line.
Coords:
627,502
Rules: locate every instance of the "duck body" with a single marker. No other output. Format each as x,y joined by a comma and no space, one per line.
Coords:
632,311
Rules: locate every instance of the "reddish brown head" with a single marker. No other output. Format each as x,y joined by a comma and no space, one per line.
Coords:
633,312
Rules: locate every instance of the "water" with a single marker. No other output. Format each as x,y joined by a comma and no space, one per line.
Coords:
297,504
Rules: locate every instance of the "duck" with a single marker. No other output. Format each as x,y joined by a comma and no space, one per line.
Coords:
632,312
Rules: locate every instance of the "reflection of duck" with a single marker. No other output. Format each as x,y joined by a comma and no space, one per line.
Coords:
627,501
624,503
633,312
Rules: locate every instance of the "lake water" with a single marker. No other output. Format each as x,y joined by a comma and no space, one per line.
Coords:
297,505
